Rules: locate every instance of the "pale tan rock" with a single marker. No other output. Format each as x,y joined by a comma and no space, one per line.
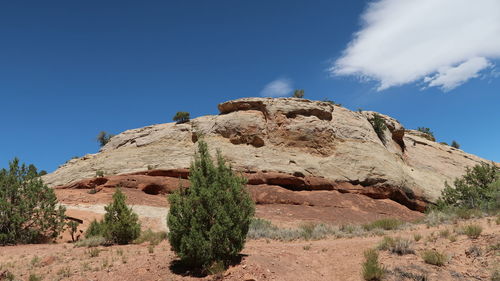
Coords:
287,135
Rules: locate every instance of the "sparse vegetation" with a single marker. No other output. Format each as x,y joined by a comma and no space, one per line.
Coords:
99,174
434,257
181,117
209,221
385,224
428,134
332,102
92,241
29,212
495,276
378,125
396,245
103,138
299,93
34,277
473,231
93,252
154,238
372,270
445,233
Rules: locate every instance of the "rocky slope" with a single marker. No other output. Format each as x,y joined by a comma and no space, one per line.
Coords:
287,144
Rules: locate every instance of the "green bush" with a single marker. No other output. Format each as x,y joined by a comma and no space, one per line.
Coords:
434,257
372,270
120,223
479,188
385,224
95,228
181,117
209,221
455,144
28,208
428,133
298,94
378,125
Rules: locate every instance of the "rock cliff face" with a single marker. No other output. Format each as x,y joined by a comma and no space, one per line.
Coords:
293,144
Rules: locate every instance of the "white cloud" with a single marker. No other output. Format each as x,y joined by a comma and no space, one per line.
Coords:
443,43
277,88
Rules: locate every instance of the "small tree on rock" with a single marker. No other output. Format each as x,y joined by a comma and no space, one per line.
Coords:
428,133
455,144
28,208
103,138
120,223
209,221
378,125
181,117
298,94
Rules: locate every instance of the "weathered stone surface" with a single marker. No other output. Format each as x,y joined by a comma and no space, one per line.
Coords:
301,140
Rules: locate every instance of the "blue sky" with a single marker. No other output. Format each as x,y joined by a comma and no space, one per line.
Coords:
69,69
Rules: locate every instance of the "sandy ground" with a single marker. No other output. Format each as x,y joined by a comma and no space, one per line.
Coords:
328,259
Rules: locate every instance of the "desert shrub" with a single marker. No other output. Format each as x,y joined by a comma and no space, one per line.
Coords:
299,93
260,228
372,270
455,144
34,277
473,251
378,125
497,221
417,237
120,223
444,143
209,221
473,230
434,257
464,213
103,138
436,217
154,238
385,224
29,212
99,174
181,117
93,252
479,188
495,276
92,241
402,274
396,245
445,233
428,134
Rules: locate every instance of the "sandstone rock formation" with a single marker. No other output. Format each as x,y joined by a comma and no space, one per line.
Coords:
290,143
